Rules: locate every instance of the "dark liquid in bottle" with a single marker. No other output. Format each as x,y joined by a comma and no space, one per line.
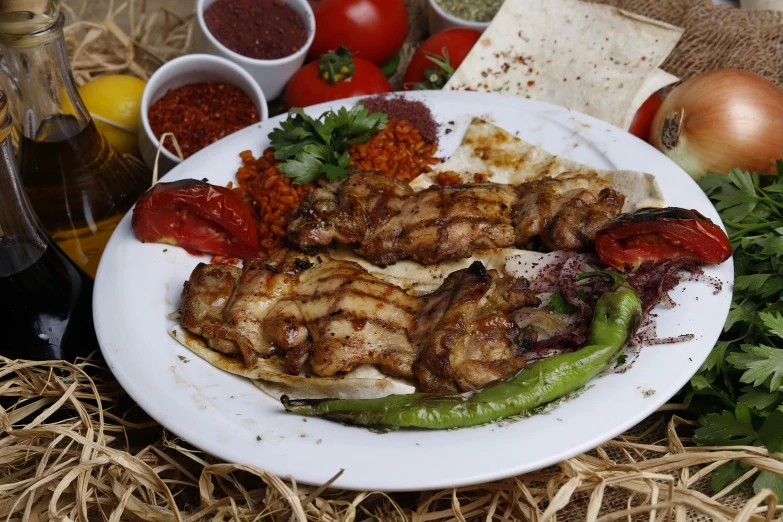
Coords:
79,187
46,306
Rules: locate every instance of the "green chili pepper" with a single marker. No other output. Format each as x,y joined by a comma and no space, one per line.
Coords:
617,315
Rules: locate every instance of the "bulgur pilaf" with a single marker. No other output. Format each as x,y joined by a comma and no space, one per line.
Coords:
398,150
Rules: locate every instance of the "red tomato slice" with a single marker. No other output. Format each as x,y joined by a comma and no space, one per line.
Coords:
660,234
196,216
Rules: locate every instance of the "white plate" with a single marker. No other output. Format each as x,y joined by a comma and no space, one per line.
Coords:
139,284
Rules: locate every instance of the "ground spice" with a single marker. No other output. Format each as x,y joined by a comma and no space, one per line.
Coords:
473,10
200,114
415,112
261,29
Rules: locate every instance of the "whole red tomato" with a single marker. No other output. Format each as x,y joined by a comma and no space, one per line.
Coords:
334,76
372,29
642,121
457,41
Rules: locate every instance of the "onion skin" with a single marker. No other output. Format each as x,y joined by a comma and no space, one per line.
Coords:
719,120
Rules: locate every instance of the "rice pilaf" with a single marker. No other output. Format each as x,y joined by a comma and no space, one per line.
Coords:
398,151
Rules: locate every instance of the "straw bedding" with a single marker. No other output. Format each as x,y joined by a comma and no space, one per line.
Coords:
73,446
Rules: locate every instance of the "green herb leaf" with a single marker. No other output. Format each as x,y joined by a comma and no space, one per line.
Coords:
311,147
726,474
774,323
759,399
724,429
770,481
558,304
763,365
771,432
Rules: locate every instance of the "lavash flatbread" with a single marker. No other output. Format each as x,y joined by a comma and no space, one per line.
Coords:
364,382
587,57
505,158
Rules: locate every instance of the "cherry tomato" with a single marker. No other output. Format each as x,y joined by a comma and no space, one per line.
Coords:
457,41
308,85
196,216
372,29
642,121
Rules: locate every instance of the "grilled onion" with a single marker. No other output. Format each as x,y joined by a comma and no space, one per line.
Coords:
719,120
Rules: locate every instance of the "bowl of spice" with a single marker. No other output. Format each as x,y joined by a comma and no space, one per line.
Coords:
267,38
474,14
199,98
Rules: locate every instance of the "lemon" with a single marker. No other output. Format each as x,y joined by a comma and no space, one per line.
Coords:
116,98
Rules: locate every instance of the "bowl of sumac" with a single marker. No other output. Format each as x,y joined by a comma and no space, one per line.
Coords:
193,101
267,38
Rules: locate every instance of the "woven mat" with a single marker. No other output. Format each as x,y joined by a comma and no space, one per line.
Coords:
74,446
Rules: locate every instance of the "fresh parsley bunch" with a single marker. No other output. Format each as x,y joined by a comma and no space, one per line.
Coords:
739,389
311,147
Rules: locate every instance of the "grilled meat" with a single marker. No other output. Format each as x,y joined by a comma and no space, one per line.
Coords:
348,317
565,212
204,299
334,316
389,221
465,334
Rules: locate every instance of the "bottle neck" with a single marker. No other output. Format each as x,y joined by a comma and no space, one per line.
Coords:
22,240
37,79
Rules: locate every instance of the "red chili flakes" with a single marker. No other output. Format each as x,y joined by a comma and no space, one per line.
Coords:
531,83
644,58
200,114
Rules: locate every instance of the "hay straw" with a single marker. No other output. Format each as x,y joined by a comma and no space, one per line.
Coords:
129,37
72,444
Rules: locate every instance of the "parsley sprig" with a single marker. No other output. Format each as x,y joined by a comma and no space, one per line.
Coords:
314,146
739,390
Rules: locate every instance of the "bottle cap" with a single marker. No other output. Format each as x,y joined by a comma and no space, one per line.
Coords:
20,18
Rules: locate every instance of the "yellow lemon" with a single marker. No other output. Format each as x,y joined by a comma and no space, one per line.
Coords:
115,103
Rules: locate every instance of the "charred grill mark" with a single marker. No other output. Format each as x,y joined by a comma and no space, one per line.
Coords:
301,264
358,319
443,224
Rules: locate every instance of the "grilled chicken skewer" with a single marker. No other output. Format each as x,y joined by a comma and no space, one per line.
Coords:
389,221
333,316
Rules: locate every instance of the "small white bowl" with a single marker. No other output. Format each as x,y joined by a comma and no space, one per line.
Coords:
271,75
186,70
440,19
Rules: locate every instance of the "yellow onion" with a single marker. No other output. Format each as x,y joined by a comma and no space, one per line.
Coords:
719,120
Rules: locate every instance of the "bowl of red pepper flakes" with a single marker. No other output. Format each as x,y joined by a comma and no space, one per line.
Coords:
200,99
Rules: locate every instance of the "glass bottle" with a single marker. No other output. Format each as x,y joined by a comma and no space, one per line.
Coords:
46,300
78,185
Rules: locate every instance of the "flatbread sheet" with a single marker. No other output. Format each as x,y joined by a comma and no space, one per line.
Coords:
505,158
586,57
364,382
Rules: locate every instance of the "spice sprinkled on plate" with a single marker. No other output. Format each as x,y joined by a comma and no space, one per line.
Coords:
260,29
200,114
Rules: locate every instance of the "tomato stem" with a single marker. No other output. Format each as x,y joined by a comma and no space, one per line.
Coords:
438,75
336,66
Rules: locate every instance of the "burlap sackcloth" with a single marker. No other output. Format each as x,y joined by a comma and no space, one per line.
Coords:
717,37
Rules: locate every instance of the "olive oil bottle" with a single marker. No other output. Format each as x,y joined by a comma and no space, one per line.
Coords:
78,185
